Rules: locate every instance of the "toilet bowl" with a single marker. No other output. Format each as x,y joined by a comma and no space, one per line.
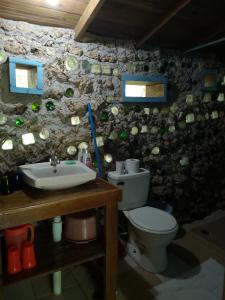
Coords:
151,230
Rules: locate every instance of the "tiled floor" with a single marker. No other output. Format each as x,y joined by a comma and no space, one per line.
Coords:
197,283
41,288
188,251
211,233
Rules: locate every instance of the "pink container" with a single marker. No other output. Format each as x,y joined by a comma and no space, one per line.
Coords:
81,227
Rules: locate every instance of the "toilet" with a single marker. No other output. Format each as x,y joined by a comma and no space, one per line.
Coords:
151,230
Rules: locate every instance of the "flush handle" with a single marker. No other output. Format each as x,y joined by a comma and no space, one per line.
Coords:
120,183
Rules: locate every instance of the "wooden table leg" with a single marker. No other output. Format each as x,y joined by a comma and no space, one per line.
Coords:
1,272
223,289
1,293
111,248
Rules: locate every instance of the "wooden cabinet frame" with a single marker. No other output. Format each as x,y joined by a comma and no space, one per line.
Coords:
32,205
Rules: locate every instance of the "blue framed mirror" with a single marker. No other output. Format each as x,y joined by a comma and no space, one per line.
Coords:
141,88
25,76
209,80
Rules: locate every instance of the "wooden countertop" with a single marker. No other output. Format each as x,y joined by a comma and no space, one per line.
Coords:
32,204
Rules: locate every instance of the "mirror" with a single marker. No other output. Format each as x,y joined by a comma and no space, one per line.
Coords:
25,76
209,80
144,88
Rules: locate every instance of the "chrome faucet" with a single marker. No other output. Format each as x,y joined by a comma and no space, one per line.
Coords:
54,161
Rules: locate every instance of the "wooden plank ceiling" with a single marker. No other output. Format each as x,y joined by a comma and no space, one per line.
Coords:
65,14
170,23
199,21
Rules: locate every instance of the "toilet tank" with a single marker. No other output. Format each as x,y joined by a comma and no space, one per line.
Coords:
135,188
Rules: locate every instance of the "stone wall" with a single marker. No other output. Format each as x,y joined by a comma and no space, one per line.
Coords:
181,142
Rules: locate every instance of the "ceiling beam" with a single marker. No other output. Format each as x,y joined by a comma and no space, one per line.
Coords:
163,22
216,33
87,17
221,40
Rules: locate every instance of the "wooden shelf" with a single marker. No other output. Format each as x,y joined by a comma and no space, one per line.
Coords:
32,205
53,256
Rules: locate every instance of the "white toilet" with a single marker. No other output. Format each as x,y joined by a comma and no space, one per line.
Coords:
150,229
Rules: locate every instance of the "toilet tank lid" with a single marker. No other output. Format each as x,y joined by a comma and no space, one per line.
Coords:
114,175
152,219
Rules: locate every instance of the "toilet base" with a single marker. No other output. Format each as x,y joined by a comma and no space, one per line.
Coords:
151,260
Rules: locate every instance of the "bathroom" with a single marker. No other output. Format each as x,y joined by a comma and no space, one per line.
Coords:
180,141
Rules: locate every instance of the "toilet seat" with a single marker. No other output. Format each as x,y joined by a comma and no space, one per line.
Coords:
151,219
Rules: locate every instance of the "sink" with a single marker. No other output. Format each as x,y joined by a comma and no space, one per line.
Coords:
65,175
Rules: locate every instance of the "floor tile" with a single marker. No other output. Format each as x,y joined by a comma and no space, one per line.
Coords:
88,288
130,265
85,280
22,291
42,286
194,283
214,216
124,265
81,273
132,286
120,296
212,233
68,279
176,266
68,294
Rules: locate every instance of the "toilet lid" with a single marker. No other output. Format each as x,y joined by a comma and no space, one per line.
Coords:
152,219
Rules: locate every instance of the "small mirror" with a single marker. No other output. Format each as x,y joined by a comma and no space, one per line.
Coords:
25,76
144,88
209,80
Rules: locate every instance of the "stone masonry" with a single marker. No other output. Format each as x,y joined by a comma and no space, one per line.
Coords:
182,142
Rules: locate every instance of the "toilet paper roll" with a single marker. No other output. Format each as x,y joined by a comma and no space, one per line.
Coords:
132,165
120,167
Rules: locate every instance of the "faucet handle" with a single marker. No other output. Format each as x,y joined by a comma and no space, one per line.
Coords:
52,152
54,159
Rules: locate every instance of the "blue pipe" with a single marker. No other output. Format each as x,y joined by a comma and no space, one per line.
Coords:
94,139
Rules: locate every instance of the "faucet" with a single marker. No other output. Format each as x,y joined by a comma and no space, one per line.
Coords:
54,161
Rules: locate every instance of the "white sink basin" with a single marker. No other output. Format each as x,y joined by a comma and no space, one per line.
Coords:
65,175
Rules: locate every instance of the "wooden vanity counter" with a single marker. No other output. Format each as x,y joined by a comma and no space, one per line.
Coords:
30,205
